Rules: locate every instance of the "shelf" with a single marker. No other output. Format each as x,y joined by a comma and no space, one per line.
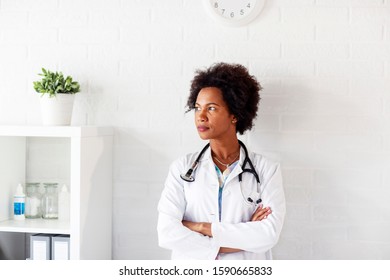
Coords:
54,131
35,226
81,157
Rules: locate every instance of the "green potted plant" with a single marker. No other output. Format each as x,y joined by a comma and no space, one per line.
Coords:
57,97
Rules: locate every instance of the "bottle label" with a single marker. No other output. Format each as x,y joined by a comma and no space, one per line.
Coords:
18,208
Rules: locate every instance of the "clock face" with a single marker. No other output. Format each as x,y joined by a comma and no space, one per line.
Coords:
234,12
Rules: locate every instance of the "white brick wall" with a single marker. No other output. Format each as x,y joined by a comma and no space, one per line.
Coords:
324,113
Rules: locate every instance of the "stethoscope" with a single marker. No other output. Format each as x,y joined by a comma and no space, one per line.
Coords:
189,178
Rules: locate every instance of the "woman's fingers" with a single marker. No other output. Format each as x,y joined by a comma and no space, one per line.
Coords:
261,213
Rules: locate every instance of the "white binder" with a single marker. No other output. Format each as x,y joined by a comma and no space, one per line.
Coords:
60,247
40,246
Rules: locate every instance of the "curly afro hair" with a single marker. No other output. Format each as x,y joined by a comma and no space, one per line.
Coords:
240,91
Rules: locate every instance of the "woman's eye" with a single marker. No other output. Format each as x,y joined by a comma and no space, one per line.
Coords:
211,108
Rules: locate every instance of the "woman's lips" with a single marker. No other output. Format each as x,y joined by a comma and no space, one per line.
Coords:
202,128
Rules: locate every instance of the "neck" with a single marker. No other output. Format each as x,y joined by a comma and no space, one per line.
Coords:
226,150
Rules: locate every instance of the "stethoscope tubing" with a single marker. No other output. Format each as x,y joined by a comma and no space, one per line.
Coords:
247,160
189,178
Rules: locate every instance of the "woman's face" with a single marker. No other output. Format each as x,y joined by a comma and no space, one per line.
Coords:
212,117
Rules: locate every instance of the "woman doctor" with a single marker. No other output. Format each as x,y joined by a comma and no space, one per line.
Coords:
210,208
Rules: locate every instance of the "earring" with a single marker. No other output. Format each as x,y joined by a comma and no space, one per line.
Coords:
234,121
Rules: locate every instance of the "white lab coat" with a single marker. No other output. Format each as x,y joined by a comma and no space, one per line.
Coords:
198,202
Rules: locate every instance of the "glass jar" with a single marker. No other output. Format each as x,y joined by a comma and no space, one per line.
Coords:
33,201
50,201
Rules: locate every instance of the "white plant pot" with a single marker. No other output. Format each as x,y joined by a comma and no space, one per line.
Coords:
57,110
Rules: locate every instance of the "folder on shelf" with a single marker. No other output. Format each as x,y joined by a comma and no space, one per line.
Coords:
60,247
40,245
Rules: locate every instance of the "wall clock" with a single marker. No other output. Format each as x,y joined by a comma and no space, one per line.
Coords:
234,12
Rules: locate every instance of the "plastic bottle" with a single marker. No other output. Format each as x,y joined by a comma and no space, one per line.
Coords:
64,204
19,202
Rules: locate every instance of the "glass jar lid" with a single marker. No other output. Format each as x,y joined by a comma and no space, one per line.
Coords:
50,184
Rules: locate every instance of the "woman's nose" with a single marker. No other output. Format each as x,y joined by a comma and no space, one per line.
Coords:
201,116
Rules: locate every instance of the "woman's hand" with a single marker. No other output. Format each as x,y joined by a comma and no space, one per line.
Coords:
260,213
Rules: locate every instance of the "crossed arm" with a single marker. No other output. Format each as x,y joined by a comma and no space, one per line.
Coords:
205,228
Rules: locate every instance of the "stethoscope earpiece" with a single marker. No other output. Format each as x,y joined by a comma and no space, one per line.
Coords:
257,201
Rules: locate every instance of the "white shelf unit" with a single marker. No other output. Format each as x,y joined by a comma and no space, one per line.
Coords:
90,179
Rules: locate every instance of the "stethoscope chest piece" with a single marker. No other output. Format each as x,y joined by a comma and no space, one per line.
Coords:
188,175
187,178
